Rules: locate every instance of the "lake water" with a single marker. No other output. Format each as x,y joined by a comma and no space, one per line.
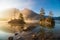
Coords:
7,30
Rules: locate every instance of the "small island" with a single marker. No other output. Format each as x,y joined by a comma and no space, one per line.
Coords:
46,21
18,21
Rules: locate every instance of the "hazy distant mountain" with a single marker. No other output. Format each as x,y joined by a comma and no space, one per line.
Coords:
9,13
29,14
56,18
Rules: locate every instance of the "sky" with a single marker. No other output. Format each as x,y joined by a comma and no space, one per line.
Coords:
35,5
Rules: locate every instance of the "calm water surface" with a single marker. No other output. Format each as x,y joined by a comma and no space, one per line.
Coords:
7,30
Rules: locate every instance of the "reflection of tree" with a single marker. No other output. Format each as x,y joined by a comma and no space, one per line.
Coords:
42,34
16,27
45,35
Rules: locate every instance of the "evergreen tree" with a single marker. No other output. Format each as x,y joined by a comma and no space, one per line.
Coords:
21,16
42,13
50,14
51,19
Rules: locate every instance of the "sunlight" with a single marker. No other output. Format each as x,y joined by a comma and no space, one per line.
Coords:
8,4
4,7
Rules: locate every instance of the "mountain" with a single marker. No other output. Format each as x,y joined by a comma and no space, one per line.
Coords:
56,18
9,13
29,14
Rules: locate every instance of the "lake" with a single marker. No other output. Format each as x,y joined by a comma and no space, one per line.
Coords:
7,30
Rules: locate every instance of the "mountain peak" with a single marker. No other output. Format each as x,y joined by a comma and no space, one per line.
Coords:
29,14
26,9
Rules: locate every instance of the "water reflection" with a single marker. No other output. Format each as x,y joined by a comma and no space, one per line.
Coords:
15,27
33,31
21,27
45,34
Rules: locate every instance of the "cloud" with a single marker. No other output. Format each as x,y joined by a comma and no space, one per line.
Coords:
20,4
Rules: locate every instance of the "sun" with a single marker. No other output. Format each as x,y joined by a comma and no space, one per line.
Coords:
4,7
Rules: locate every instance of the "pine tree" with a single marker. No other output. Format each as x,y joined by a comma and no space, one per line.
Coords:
21,16
51,19
42,13
50,14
